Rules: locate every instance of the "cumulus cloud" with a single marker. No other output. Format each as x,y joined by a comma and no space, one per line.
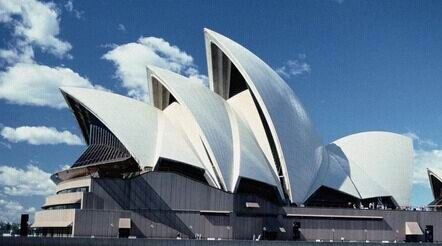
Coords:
38,135
16,54
294,67
10,211
25,182
34,23
427,154
424,159
23,81
131,59
34,84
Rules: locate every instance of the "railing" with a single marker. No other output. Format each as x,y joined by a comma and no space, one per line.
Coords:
31,241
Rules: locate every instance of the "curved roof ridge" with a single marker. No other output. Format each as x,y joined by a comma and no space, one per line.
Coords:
229,144
296,140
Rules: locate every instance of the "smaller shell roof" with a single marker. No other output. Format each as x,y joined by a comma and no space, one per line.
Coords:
380,164
144,130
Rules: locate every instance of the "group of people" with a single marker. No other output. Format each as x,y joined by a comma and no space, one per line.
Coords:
371,205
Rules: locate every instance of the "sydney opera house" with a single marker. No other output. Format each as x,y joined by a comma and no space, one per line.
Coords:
239,159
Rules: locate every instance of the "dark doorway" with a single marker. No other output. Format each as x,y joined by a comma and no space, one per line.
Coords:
123,232
429,233
412,238
24,225
296,231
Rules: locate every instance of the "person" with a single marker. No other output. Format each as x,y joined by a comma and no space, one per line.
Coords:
178,236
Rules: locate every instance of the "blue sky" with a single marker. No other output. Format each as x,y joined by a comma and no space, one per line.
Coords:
356,65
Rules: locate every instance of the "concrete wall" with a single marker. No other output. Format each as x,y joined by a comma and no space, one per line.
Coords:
163,205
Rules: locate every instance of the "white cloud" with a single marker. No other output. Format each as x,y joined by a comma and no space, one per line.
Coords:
294,67
427,154
26,182
37,135
69,6
34,23
34,84
64,167
421,142
131,60
17,54
424,159
24,82
10,211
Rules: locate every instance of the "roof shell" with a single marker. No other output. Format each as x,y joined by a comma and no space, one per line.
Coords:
380,164
335,173
435,178
122,115
231,145
297,143
209,113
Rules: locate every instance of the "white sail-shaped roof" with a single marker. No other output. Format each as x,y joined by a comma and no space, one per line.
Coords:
334,173
144,130
435,178
380,164
184,120
296,143
232,149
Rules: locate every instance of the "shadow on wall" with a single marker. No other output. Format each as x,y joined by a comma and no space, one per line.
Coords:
137,193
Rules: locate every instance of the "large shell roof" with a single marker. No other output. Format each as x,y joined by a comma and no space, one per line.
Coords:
297,143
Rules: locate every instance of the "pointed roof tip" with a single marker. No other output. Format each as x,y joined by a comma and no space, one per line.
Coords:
64,88
433,172
155,69
151,67
68,89
209,32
